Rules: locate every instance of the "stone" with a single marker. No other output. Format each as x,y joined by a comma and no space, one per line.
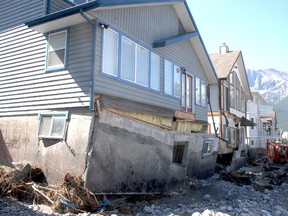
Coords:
206,197
148,210
279,208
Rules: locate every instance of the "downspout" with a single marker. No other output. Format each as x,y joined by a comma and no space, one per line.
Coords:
91,86
91,105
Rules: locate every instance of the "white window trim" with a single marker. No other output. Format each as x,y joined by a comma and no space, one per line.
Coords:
53,114
60,66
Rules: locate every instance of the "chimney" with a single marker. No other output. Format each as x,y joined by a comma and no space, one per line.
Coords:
224,48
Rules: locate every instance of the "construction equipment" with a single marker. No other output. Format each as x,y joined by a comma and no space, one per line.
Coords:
278,152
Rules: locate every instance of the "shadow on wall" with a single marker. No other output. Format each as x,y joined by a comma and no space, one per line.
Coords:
5,157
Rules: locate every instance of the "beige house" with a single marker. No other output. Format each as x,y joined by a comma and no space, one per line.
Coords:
227,114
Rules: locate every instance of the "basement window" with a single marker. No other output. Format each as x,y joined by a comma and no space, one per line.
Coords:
53,125
180,152
208,147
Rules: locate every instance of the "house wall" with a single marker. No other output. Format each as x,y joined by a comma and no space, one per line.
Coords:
20,142
132,156
57,5
16,12
142,24
25,87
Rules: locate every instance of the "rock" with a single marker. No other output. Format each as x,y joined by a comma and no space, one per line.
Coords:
279,208
148,210
261,184
206,197
229,208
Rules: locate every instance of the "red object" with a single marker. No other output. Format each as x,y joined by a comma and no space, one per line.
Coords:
277,151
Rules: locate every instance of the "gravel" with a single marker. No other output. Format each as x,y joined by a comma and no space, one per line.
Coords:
212,197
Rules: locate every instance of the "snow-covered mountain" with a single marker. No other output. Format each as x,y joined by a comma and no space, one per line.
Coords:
272,84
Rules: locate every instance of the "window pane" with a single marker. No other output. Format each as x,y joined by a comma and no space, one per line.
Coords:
177,77
58,127
183,90
128,60
203,93
197,91
45,126
155,72
110,52
232,97
168,77
142,74
57,41
188,92
56,58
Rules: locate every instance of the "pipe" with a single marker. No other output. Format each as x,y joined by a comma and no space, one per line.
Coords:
91,84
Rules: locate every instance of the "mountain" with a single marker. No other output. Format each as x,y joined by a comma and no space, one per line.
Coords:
273,86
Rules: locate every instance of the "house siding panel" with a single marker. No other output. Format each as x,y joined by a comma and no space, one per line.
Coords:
16,12
57,5
146,25
24,84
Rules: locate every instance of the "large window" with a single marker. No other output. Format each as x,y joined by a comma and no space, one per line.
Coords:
110,52
53,125
155,72
172,79
136,62
168,78
57,50
200,92
128,60
237,97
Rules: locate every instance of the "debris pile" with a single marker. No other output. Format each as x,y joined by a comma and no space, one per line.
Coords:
259,177
28,184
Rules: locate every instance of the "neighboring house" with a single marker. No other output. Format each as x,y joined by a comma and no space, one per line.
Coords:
263,114
112,90
227,116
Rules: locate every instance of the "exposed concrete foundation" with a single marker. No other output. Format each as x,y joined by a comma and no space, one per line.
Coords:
131,156
20,143
124,155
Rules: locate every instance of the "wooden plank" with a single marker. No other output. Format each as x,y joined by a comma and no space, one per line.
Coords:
124,104
185,116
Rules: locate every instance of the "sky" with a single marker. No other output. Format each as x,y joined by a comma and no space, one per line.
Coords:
259,28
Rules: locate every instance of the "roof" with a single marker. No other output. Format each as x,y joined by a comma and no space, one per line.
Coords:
72,16
223,63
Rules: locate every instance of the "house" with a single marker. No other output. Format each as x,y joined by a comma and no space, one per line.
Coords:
264,115
228,113
115,91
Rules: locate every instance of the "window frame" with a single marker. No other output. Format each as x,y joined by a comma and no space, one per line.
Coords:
65,115
199,93
64,65
136,45
185,77
172,77
212,147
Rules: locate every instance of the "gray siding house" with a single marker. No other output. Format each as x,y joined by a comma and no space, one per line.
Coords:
115,91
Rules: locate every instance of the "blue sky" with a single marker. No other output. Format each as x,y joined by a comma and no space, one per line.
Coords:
259,28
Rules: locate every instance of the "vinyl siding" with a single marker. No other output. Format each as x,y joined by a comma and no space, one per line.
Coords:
57,5
16,12
146,25
24,84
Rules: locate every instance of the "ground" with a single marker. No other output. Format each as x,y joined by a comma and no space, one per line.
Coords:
213,196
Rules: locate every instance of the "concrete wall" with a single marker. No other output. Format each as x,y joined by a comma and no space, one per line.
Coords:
19,140
131,156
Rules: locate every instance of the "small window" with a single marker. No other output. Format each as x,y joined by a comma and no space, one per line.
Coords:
155,72
110,52
252,143
57,50
252,120
180,152
203,93
53,125
208,147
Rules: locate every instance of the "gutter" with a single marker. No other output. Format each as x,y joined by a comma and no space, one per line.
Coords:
91,105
